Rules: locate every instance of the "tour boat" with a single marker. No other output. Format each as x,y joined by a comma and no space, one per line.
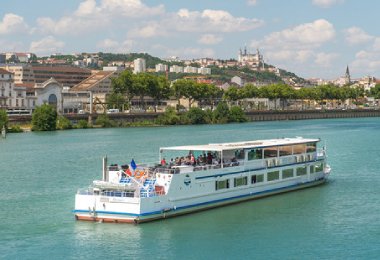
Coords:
192,178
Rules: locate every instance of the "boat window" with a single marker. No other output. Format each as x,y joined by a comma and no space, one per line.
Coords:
240,181
219,185
311,147
285,150
312,168
239,154
270,152
257,178
272,176
287,173
318,167
301,171
299,148
255,154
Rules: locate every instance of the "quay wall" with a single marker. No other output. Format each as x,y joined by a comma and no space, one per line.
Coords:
270,115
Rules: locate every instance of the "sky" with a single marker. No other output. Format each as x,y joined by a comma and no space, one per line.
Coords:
311,38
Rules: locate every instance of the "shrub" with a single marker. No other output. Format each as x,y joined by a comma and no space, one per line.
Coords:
169,117
237,115
64,123
3,119
197,116
15,129
104,121
44,118
82,124
221,113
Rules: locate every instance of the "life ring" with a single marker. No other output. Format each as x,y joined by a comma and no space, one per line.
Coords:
139,174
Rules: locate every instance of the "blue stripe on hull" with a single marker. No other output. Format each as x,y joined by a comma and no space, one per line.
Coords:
214,203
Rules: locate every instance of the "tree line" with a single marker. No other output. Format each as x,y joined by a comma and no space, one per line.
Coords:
129,85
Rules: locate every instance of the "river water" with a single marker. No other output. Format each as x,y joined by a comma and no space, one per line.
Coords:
41,172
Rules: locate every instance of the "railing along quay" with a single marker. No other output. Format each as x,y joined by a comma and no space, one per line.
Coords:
259,115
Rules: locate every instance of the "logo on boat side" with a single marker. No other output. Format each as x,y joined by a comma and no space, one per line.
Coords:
187,180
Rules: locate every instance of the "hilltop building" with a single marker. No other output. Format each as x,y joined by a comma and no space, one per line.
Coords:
161,67
139,65
253,60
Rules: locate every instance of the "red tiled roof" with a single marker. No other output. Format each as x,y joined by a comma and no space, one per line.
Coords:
3,71
27,85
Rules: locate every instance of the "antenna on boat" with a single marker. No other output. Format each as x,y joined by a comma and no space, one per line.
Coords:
105,168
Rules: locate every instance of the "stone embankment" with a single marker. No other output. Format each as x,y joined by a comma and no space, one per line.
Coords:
271,115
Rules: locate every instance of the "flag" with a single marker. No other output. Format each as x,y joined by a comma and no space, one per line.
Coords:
133,164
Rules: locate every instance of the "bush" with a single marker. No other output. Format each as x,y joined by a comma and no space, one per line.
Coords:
15,129
104,121
44,118
197,116
63,123
82,124
3,119
169,117
221,113
237,115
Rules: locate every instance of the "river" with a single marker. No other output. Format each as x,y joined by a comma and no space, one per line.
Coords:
41,172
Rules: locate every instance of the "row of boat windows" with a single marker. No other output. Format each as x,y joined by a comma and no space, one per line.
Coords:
271,176
285,150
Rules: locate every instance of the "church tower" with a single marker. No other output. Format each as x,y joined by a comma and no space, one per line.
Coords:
348,76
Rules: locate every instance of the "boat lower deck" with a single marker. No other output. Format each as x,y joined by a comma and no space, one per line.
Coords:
115,217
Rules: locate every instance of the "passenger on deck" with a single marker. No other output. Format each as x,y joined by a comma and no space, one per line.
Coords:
209,158
163,162
192,160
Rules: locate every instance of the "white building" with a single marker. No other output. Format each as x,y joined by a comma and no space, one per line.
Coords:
139,65
253,60
238,80
204,71
190,69
6,88
176,69
161,67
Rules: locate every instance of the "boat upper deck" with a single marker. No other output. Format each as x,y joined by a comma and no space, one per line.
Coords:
241,145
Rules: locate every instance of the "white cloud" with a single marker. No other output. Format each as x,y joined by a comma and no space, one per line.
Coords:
252,2
304,35
211,21
356,35
325,59
109,45
12,23
327,3
46,45
150,30
210,39
91,16
294,47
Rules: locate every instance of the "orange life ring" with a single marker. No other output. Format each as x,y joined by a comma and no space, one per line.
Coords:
139,174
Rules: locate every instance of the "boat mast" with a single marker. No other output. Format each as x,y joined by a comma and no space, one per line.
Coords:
105,177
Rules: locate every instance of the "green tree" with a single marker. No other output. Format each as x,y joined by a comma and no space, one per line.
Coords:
63,123
116,100
197,116
237,115
104,121
169,117
159,91
44,118
3,119
124,85
221,113
82,124
184,88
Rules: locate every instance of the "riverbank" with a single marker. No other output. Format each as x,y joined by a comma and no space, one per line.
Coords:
142,119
